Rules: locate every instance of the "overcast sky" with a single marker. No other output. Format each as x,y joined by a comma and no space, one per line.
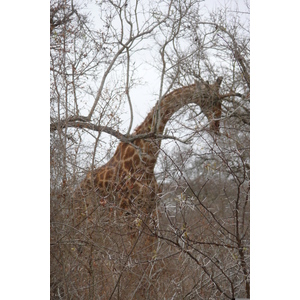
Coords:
144,97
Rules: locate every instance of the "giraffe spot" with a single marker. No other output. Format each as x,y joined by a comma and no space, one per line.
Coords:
129,152
101,176
105,184
127,165
109,174
123,148
140,143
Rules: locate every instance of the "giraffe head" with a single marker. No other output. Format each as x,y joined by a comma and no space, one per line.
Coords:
209,100
208,91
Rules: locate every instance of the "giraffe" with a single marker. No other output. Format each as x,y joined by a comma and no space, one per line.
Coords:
115,203
127,180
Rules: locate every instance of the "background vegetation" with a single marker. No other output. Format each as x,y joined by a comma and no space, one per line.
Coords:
99,53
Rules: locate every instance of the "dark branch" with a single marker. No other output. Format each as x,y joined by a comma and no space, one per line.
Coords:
81,122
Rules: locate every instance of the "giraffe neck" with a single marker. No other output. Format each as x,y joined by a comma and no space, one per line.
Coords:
163,111
202,93
147,150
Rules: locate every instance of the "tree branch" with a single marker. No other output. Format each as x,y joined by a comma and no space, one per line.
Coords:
81,122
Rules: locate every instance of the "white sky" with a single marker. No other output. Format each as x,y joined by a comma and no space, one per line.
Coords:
143,97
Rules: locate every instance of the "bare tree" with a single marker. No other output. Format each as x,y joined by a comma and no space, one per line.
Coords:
199,246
